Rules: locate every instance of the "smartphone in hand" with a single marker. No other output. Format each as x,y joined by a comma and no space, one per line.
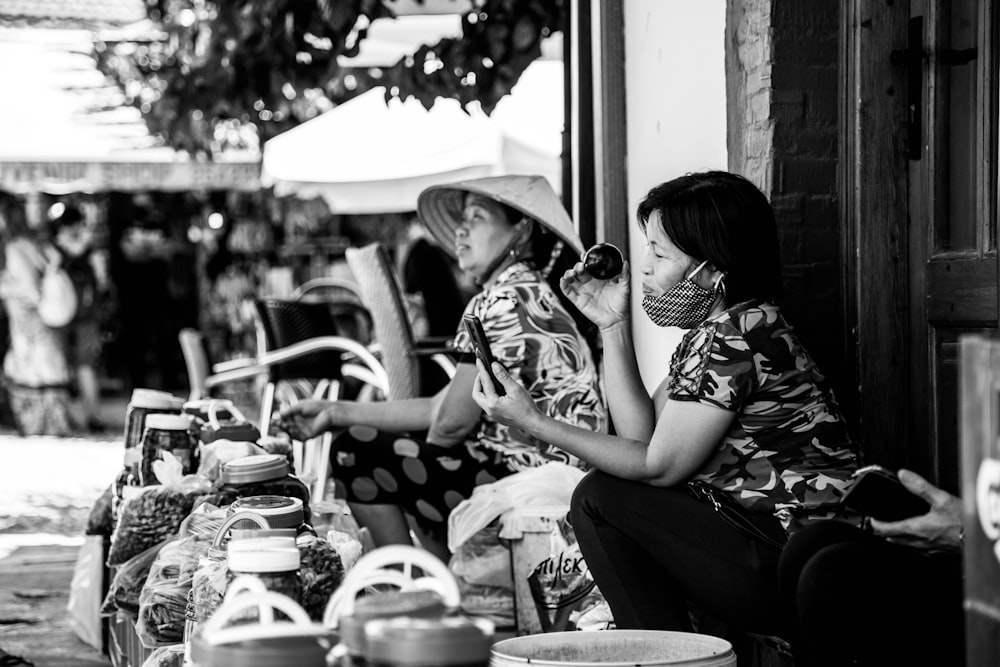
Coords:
878,493
481,344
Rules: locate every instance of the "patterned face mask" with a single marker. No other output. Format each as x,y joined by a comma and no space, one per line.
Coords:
684,305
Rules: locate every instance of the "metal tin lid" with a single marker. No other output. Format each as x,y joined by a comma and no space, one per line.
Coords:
153,399
390,604
419,642
168,422
256,468
279,511
272,652
255,556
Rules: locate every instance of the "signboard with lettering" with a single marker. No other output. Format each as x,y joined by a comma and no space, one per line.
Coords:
66,177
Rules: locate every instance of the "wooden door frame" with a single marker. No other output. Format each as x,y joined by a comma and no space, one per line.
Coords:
874,225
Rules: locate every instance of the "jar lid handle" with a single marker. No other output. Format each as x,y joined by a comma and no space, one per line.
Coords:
215,631
370,568
220,534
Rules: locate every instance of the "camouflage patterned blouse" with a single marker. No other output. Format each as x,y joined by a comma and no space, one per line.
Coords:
787,452
535,338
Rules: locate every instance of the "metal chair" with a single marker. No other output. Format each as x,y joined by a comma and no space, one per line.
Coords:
346,305
325,361
203,375
399,350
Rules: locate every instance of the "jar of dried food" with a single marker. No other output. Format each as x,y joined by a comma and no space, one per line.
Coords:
262,475
274,561
167,433
143,403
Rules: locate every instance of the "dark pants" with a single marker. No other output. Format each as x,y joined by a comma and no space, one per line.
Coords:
860,600
657,552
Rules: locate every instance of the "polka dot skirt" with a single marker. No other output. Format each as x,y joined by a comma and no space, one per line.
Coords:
380,467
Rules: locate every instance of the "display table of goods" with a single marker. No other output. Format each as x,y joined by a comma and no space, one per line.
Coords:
202,500
203,504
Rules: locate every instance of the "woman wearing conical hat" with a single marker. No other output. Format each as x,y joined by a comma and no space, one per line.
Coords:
512,235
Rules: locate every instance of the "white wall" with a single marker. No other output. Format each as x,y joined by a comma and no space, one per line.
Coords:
676,114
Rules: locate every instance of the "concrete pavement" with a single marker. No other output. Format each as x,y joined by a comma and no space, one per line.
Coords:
47,488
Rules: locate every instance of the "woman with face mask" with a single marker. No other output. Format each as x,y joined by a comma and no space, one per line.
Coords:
421,457
690,503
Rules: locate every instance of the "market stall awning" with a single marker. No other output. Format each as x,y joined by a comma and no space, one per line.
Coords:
65,128
366,156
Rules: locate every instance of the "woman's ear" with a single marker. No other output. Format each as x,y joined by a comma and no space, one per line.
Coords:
710,277
523,232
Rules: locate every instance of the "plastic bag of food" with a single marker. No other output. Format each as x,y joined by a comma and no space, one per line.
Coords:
163,600
208,586
151,514
483,559
494,603
197,533
84,605
203,521
214,454
321,571
166,656
560,583
347,545
100,520
551,484
123,593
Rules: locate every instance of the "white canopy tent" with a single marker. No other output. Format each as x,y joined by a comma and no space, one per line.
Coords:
366,156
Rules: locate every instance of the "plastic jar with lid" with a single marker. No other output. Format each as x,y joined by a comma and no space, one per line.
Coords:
145,402
454,641
278,511
261,475
384,605
167,433
227,641
271,560
210,578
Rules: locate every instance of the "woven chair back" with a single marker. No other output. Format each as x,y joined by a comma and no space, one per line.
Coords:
383,294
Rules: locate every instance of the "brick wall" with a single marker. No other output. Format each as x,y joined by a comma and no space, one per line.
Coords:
782,93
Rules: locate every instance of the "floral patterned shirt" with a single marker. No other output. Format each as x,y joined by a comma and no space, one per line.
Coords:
787,452
536,339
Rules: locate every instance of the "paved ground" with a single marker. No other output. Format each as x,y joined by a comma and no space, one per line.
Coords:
47,487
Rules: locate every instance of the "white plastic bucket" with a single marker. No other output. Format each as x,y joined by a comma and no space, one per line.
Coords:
613,648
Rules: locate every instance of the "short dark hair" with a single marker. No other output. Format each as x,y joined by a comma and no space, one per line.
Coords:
725,219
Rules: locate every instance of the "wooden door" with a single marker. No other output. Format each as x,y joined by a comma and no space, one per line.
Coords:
952,245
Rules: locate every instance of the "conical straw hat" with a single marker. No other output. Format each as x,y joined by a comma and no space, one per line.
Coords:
440,206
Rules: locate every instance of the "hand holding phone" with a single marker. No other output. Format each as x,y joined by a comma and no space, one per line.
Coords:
878,493
481,344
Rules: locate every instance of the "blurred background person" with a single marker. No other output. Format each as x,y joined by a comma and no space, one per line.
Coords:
75,241
429,274
35,367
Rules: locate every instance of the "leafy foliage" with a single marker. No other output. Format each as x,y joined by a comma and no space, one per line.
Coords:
232,73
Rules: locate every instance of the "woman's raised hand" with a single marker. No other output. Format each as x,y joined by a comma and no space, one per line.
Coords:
603,302
307,419
514,409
